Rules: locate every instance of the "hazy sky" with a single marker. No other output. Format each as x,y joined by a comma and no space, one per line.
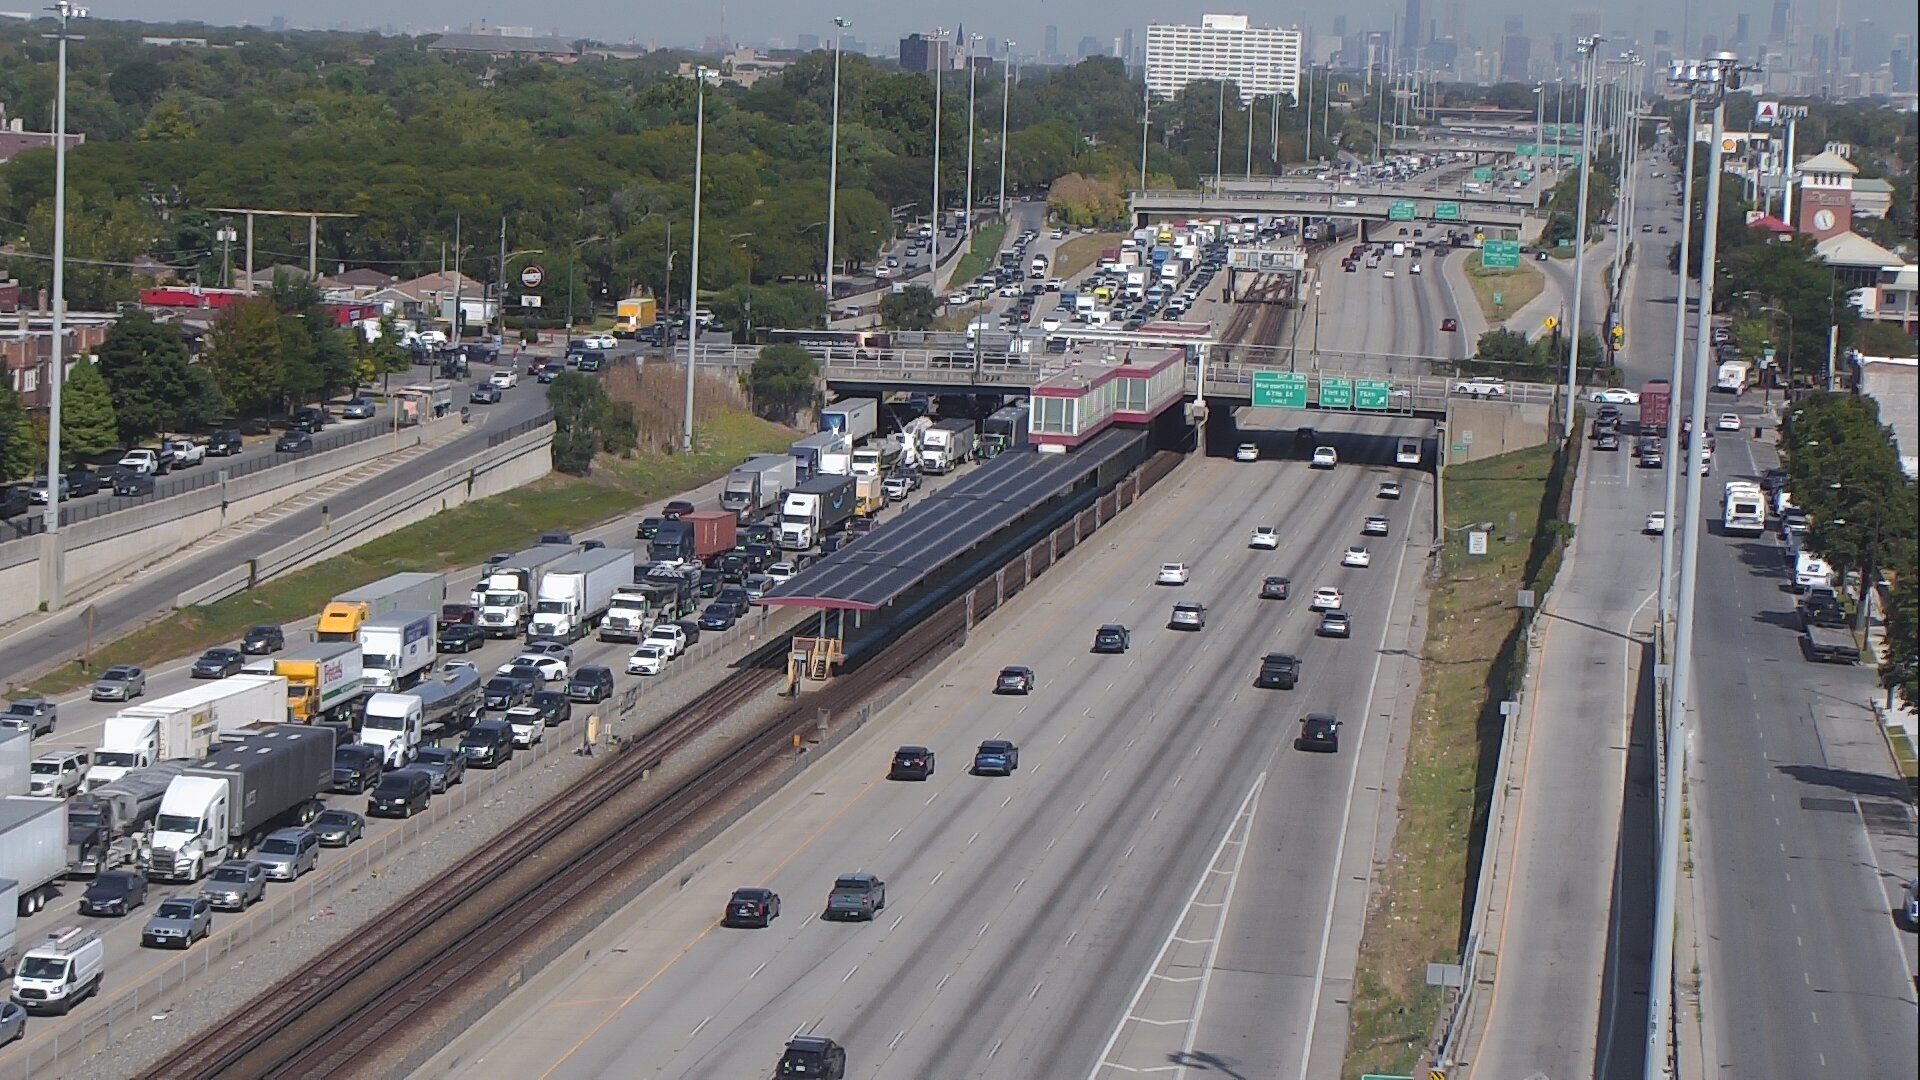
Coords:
878,22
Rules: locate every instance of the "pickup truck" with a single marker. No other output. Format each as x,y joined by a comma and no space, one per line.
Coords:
146,462
856,896
185,452
35,715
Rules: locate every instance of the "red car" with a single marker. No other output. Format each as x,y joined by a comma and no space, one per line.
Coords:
1450,325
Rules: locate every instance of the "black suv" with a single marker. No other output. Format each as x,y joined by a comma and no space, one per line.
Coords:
911,763
590,685
14,502
1278,671
357,767
309,420
224,443
1319,732
488,744
814,1057
1111,638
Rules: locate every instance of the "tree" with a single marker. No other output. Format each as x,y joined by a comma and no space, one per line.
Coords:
87,424
1900,671
243,355
782,381
581,411
145,367
1844,471
20,452
911,308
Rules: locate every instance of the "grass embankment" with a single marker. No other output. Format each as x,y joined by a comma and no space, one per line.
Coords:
1471,659
986,248
1076,253
1516,287
461,538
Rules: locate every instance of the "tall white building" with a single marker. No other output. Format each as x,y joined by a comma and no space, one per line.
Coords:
1259,60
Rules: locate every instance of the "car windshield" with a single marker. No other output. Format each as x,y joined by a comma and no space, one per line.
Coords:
175,909
334,818
279,847
46,768
236,874
44,967
113,676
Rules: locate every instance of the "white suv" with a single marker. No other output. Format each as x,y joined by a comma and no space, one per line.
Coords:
504,380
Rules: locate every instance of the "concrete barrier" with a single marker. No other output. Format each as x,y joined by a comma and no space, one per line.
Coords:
101,550
1484,429
498,469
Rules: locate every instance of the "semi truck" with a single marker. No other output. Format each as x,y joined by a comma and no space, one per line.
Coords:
755,487
505,592
324,682
696,537
946,445
399,723
1734,377
16,761
578,590
186,724
1004,429
227,801
815,508
398,648
106,826
856,418
808,452
879,455
631,613
343,616
1656,399
33,847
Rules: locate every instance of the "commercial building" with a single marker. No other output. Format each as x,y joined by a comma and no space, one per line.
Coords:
919,52
1259,60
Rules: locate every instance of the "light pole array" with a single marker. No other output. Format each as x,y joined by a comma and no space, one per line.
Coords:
1589,46
1708,81
833,159
1006,99
966,231
1628,133
1670,533
1146,118
939,70
53,570
693,259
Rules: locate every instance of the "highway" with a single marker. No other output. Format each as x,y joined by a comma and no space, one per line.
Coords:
1024,912
124,607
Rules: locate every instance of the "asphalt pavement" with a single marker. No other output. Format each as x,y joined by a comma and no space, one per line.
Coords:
1024,912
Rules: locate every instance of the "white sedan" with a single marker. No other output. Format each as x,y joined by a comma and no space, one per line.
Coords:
1325,457
1356,556
1375,525
1264,536
649,659
552,668
1386,273
1728,422
1656,523
504,380
1246,452
1173,573
602,342
1326,600
1616,395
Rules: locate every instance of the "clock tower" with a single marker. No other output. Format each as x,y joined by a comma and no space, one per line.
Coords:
1825,206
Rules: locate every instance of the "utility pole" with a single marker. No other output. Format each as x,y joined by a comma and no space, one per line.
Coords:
53,573
1670,533
1588,48
1006,99
693,276
939,66
833,167
1146,110
500,284
456,279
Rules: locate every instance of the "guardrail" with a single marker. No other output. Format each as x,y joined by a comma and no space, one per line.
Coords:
496,438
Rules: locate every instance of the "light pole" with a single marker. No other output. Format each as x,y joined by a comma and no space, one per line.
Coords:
1219,138
1668,535
1623,214
1249,140
833,159
1006,99
53,572
1306,140
693,260
933,210
1710,80
226,236
1146,117
966,231
571,249
1588,48
1539,139
746,303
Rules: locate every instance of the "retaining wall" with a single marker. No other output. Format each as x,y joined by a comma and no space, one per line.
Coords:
1478,429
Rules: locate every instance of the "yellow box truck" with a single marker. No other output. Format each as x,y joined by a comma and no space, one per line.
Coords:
634,314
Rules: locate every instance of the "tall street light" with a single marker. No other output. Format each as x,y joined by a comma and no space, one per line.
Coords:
1146,119
226,236
1220,138
52,570
1671,533
1006,98
572,249
933,210
1539,140
1628,134
746,304
967,231
1589,47
693,260
833,158
1708,80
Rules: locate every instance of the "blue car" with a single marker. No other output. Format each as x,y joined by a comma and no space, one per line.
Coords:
996,757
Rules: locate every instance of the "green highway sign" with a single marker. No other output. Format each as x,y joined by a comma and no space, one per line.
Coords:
1279,390
1525,176
1374,394
1526,149
1499,299
1336,393
1400,210
1500,255
1483,174
1446,211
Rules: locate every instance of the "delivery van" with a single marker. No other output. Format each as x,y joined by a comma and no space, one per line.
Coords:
61,971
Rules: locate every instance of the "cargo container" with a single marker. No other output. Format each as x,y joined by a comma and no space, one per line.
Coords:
504,595
343,616
16,761
185,725
1656,397
33,848
324,681
856,418
226,802
1005,429
808,452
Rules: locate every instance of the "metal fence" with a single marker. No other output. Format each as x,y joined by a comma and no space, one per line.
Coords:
505,434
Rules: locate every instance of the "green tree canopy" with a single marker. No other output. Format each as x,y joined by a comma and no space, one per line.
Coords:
782,381
87,425
243,355
145,366
20,452
581,412
911,308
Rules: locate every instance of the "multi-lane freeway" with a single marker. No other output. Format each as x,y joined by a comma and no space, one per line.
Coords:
1026,916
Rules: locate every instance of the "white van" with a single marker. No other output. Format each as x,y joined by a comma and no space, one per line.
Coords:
61,971
1810,571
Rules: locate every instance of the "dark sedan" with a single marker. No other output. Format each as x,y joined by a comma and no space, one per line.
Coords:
554,707
752,907
263,639
504,692
218,664
677,509
460,638
294,442
445,767
126,482
1318,732
717,616
1275,588
114,893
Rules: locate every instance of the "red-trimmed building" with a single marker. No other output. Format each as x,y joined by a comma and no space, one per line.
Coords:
1098,389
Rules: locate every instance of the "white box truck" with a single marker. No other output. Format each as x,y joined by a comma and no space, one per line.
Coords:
856,418
230,799
185,725
1734,377
397,648
506,589
577,591
9,928
946,446
33,847
345,614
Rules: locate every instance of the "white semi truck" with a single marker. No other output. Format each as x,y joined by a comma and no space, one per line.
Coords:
946,446
577,591
815,508
755,487
856,418
227,801
506,589
398,648
185,725
399,723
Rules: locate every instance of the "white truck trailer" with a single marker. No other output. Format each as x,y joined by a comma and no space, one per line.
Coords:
946,446
33,848
16,761
856,418
1733,377
185,725
398,648
577,591
345,614
506,589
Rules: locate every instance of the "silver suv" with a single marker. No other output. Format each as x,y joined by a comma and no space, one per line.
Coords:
289,853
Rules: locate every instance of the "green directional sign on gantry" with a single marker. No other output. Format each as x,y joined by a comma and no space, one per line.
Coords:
1400,210
1483,174
1373,395
1446,211
1279,389
1336,393
1500,255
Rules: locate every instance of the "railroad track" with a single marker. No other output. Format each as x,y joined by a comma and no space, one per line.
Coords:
351,1011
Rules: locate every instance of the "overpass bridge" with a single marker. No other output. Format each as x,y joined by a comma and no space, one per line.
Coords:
1425,208
1318,188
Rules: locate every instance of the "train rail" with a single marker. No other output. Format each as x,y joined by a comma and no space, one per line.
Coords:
356,1010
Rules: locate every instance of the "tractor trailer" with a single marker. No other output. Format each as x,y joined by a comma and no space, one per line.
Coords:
398,648
577,591
946,445
324,682
186,724
105,826
399,723
33,847
856,418
755,487
343,616
504,595
814,509
227,801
